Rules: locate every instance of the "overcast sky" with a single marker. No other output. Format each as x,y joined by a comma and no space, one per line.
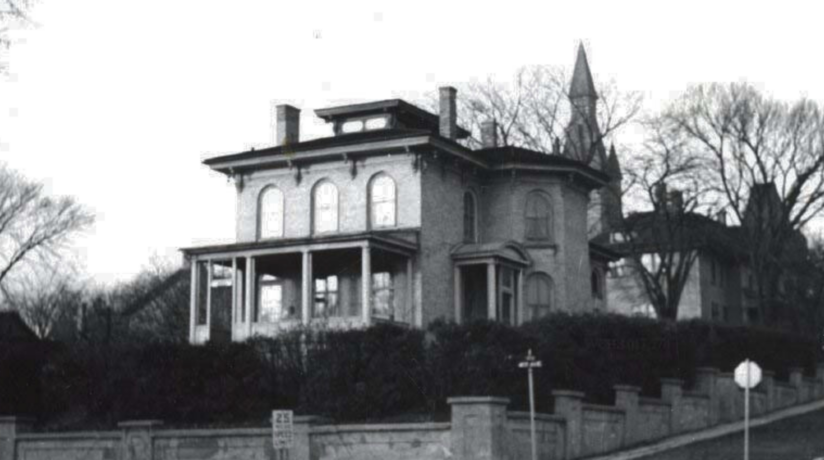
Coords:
117,102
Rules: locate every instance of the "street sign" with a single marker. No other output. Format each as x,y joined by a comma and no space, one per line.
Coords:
530,363
748,374
283,433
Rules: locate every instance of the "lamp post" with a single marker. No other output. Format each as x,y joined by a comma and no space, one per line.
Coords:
530,363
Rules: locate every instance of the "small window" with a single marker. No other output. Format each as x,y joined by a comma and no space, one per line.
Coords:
539,294
595,281
270,213
352,126
325,207
383,300
376,123
538,217
470,224
382,201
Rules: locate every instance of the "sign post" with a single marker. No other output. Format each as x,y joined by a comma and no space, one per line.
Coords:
530,363
283,432
747,375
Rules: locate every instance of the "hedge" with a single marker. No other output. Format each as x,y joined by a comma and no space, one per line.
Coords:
381,373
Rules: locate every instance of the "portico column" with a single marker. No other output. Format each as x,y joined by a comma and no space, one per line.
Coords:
491,292
250,293
410,303
366,285
306,287
458,297
193,302
208,300
235,314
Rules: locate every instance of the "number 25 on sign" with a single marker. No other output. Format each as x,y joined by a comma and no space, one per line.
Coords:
282,430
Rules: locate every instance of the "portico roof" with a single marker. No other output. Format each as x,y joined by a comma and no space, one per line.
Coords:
507,250
400,241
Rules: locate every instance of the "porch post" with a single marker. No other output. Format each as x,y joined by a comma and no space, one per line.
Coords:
235,314
250,293
457,294
306,287
366,283
520,297
208,300
491,296
410,304
193,302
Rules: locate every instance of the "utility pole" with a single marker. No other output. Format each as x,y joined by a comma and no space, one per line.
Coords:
530,363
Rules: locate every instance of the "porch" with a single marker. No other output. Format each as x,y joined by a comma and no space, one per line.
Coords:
243,290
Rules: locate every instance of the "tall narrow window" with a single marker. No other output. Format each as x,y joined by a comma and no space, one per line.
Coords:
382,295
382,201
270,213
539,294
325,207
469,218
326,297
538,217
269,299
595,280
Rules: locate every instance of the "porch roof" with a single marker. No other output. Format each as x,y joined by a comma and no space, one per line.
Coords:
400,241
507,250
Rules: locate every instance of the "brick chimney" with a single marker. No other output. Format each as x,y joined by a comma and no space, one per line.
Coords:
676,201
448,112
288,125
489,134
721,217
660,195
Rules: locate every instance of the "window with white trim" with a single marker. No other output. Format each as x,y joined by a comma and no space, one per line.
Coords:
382,195
270,213
325,207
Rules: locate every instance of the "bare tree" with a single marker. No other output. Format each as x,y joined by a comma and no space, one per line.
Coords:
765,161
46,300
33,226
12,12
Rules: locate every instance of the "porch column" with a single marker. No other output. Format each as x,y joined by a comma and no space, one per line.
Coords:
306,287
491,297
193,302
235,314
457,294
208,300
520,297
366,284
250,293
410,296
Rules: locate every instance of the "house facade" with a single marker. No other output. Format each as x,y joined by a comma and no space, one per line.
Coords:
394,218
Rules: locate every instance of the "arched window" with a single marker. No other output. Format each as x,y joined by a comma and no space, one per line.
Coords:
539,294
470,224
382,201
596,280
324,207
538,217
270,213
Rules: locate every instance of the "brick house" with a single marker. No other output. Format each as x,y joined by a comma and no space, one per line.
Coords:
393,218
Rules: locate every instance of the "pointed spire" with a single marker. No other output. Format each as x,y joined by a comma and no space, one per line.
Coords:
582,84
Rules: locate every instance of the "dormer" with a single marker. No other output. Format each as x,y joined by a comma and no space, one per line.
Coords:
387,114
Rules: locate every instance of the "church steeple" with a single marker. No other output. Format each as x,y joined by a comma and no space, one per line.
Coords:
613,167
582,84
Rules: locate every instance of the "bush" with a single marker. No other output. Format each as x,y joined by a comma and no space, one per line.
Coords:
384,372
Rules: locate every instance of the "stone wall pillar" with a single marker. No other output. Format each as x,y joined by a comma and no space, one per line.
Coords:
301,450
10,427
478,427
767,385
728,393
671,391
626,397
137,439
819,380
570,405
706,382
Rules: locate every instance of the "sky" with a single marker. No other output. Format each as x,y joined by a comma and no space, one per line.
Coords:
117,102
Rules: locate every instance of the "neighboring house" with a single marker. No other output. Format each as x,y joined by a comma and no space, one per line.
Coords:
14,329
720,285
393,219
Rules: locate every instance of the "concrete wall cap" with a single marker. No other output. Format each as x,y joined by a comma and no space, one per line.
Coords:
16,419
140,423
477,400
628,388
568,394
767,373
312,419
671,381
707,370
